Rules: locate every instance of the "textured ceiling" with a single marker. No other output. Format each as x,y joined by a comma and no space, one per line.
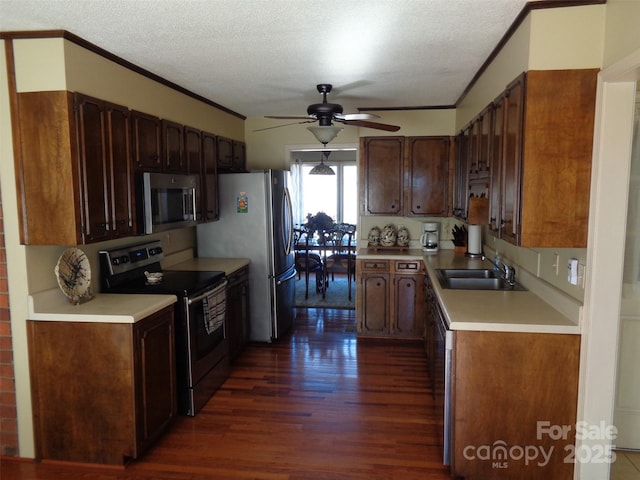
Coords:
264,57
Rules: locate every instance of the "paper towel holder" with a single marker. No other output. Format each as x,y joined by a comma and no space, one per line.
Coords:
474,241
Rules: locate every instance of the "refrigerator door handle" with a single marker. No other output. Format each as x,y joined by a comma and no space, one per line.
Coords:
287,224
286,279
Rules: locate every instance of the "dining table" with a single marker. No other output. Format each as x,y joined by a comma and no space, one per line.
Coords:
321,248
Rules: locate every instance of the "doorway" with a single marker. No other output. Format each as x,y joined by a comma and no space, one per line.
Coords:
607,231
335,195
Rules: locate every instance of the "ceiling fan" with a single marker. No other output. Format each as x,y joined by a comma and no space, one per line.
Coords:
325,113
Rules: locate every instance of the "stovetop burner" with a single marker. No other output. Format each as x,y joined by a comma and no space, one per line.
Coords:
181,283
123,271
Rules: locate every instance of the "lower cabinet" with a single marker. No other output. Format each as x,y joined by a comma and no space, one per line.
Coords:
390,298
513,393
238,311
102,392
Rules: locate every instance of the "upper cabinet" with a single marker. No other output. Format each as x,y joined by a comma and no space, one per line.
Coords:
193,163
211,210
76,162
511,166
147,142
546,159
461,174
406,176
232,155
105,166
200,151
174,158
74,181
381,172
427,176
537,138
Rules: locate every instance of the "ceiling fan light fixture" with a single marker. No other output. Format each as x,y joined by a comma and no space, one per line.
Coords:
321,168
324,134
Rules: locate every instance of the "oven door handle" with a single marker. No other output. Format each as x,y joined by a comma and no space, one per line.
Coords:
199,298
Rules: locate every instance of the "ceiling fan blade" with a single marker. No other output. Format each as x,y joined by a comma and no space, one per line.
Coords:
292,117
356,116
286,124
362,123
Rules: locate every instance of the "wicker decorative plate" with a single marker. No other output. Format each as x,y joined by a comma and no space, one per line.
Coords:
74,275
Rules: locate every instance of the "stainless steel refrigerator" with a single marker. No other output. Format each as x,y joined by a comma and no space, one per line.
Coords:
256,222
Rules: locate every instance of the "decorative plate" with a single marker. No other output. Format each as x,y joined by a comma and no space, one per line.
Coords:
74,274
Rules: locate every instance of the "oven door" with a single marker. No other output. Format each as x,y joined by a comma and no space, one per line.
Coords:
206,331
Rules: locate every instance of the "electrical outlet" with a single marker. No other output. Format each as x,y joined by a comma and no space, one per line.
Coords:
573,271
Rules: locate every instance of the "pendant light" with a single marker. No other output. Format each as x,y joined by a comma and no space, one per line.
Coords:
321,168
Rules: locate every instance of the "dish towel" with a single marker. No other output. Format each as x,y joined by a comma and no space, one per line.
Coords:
214,307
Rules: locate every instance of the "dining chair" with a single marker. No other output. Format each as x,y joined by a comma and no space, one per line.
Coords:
342,258
307,261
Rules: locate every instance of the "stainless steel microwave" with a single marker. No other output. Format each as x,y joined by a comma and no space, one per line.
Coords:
166,201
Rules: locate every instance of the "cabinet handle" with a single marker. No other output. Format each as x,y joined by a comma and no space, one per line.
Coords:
418,207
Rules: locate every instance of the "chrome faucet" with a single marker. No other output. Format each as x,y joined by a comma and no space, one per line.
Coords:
507,272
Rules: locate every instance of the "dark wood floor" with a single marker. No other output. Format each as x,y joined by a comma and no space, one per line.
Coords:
319,404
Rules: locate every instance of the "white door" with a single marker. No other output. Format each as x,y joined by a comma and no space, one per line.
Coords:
627,405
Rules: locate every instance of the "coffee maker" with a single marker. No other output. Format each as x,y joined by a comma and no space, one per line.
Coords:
430,237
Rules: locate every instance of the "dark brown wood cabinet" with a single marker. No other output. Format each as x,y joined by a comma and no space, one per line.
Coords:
106,169
74,170
495,174
503,384
225,154
408,299
381,172
102,392
174,159
232,155
211,205
373,294
194,162
390,298
427,176
238,311
147,142
94,168
239,162
461,174
542,140
512,161
121,181
406,176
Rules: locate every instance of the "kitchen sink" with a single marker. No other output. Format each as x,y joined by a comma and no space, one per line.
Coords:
474,279
467,273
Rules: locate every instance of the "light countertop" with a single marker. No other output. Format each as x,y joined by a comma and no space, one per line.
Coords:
226,265
52,305
486,310
371,254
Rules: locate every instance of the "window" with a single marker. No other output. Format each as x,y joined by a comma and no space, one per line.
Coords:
336,195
